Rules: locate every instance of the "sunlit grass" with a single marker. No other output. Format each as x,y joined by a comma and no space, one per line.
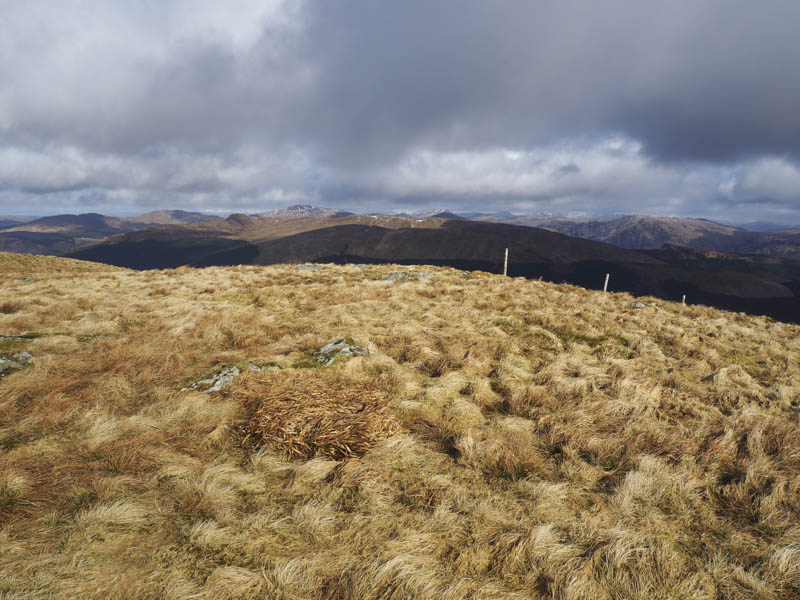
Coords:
516,439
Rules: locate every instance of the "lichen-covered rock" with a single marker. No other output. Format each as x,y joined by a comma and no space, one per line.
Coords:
15,362
223,377
637,305
402,275
340,349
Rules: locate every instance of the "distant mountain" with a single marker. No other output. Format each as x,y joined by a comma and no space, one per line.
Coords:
60,233
12,221
477,215
767,226
84,225
757,284
170,217
303,211
644,232
437,213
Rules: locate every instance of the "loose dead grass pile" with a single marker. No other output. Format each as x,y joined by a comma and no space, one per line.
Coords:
306,414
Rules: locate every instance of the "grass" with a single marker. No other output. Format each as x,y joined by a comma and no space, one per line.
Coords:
503,439
304,415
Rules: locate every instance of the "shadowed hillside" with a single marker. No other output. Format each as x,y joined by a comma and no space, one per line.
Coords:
58,234
643,232
487,438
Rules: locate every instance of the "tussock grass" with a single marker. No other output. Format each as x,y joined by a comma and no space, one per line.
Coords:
503,439
306,415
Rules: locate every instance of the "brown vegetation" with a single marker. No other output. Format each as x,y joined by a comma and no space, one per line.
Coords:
550,441
304,414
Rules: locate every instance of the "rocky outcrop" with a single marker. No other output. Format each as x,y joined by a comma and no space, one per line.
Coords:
407,275
222,377
13,363
340,349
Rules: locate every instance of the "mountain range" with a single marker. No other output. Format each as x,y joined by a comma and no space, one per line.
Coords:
644,232
58,234
761,284
719,265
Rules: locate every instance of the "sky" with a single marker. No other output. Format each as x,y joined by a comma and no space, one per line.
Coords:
569,107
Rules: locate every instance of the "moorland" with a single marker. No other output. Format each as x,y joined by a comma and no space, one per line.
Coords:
492,437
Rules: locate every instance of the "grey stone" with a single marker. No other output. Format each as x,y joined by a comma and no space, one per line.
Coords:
15,362
637,305
396,276
13,338
340,348
223,377
309,267
402,275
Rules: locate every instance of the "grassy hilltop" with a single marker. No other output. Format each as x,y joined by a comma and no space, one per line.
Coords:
504,438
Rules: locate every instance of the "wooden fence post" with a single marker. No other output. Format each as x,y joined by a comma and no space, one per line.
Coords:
605,285
505,265
684,300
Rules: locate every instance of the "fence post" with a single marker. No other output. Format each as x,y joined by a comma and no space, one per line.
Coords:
605,285
505,265
684,300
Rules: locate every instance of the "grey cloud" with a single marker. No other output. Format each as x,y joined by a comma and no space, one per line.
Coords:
361,103
700,80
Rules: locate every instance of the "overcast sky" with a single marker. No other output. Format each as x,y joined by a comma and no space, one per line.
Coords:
685,108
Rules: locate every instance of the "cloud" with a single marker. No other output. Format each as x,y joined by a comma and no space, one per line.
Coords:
574,105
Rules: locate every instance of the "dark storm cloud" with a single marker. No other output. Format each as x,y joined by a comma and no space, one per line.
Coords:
617,105
690,80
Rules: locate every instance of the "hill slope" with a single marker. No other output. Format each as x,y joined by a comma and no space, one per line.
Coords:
645,232
517,439
761,286
59,234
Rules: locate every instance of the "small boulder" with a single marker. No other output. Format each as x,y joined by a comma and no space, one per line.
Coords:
404,275
340,349
637,305
13,363
222,377
396,276
309,267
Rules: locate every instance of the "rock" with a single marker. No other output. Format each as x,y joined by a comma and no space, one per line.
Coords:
637,305
223,377
13,363
309,267
13,338
395,276
341,349
401,275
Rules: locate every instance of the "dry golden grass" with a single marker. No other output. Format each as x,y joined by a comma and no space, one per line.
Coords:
550,441
313,414
31,265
